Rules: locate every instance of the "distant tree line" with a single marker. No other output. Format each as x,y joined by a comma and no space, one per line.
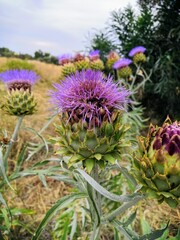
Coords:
38,55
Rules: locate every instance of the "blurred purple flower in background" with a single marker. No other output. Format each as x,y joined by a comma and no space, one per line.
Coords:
135,50
94,54
123,62
64,58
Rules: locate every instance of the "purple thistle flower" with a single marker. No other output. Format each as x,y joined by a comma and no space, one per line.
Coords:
135,50
123,62
94,54
64,58
16,79
89,95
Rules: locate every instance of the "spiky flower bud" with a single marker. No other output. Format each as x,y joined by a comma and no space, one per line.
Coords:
19,103
158,162
111,59
20,100
95,62
68,69
122,67
90,107
137,54
81,62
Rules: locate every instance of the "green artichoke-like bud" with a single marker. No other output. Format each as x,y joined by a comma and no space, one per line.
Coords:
91,144
68,69
137,53
81,62
97,64
124,72
90,128
122,67
158,163
139,57
19,103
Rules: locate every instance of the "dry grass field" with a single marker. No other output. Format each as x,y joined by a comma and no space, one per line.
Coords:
31,193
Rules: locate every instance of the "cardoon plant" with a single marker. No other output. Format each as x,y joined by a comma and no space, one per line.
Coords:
19,100
137,53
68,67
122,67
81,62
158,162
90,108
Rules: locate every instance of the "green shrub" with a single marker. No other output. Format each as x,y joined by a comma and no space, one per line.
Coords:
17,64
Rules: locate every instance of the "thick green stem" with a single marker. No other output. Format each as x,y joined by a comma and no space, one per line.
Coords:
97,201
13,139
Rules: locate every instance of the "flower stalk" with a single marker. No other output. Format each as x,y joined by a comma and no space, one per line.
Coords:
13,139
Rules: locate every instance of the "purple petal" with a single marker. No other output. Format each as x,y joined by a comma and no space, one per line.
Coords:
123,62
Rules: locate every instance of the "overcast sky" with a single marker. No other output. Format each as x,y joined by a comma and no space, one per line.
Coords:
54,26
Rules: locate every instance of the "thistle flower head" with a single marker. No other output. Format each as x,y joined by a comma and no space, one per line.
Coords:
136,50
94,55
158,162
19,79
113,55
123,62
89,96
168,137
78,57
65,58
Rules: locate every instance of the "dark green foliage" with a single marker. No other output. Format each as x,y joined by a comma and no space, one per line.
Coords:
45,57
5,52
102,42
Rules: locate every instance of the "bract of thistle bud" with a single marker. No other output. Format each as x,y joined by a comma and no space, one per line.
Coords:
90,107
19,79
158,163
